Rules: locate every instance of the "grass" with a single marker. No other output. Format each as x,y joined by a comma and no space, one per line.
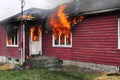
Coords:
43,74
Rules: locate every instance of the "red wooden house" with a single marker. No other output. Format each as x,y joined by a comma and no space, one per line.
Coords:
94,43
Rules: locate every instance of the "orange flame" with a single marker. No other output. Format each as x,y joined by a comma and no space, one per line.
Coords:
61,24
62,18
9,40
39,30
27,56
35,33
77,19
26,17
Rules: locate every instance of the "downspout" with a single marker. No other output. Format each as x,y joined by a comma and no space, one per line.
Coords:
23,42
22,34
21,46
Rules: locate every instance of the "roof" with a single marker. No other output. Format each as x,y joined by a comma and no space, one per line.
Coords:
77,6
9,8
35,12
93,6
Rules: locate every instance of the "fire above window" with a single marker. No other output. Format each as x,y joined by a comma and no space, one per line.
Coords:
61,23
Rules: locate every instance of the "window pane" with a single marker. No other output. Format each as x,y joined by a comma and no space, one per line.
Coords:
62,39
56,40
35,37
16,39
12,37
9,40
68,39
34,33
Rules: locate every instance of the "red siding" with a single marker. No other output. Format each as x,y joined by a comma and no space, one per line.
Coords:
95,40
26,42
62,53
8,51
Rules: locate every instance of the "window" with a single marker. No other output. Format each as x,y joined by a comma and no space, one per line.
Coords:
35,32
62,40
12,38
16,60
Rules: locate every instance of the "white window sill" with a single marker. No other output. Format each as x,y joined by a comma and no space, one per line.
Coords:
12,45
66,46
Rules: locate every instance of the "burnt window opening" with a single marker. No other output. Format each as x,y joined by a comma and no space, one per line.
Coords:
63,40
16,60
35,36
12,39
35,33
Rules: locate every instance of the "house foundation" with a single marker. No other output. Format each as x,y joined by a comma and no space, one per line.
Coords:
100,67
4,59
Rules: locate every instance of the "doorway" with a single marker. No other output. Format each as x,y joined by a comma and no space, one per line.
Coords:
35,41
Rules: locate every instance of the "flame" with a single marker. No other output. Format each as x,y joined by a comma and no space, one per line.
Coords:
27,56
26,17
27,65
32,29
61,24
39,30
9,40
35,38
35,32
62,18
30,17
77,19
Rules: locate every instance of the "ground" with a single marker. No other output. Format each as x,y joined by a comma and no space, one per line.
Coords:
67,73
6,66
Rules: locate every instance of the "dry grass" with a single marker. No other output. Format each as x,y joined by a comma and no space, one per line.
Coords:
113,76
6,66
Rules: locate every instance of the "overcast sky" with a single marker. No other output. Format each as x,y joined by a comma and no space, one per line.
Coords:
11,7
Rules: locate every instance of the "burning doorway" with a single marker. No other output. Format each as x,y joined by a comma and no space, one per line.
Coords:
35,41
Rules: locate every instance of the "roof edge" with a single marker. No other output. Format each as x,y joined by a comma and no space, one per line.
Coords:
101,11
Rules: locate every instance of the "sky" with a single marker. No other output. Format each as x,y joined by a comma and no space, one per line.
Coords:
9,8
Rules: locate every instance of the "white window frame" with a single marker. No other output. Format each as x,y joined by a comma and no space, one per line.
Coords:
14,45
59,45
118,33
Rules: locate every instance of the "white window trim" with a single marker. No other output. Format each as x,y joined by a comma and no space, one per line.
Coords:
11,45
53,42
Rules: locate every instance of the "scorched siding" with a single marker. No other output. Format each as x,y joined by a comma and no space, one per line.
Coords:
94,40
